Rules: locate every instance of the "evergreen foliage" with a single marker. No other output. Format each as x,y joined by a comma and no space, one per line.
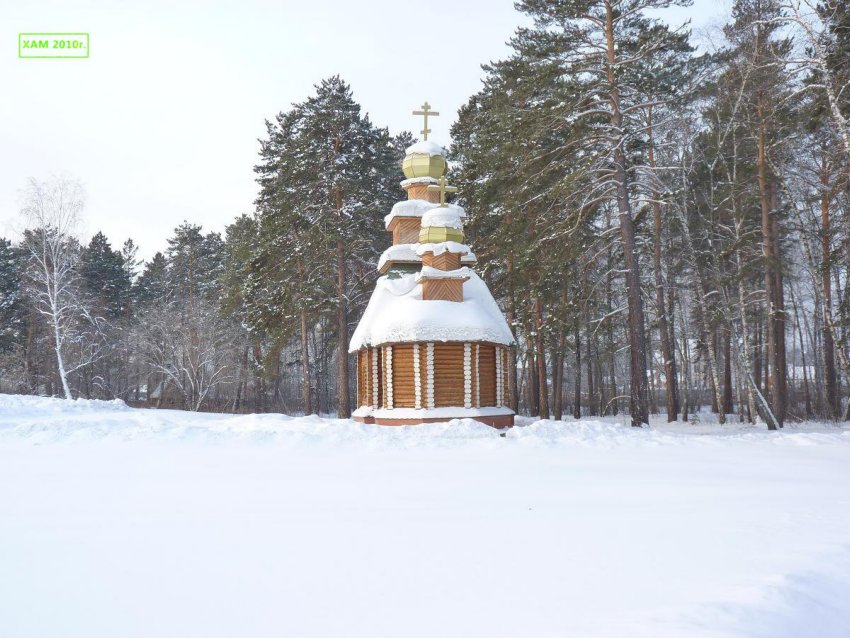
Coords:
104,277
12,303
659,228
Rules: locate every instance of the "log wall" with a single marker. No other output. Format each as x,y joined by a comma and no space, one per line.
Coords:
364,377
487,370
404,391
448,375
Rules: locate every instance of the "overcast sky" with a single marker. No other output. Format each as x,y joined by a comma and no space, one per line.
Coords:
161,123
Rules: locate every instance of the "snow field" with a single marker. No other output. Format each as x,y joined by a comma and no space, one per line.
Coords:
122,522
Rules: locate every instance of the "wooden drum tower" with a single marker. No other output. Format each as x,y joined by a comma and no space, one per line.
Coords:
432,344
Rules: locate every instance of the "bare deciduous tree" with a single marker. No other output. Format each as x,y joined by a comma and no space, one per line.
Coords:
52,210
194,352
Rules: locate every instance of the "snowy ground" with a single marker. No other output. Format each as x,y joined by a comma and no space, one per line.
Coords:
127,523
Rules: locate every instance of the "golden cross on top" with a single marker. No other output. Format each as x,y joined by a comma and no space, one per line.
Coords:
425,112
443,188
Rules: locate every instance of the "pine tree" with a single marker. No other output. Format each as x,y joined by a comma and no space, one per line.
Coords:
195,263
152,285
104,277
324,177
528,239
760,56
600,51
130,265
834,70
11,295
287,283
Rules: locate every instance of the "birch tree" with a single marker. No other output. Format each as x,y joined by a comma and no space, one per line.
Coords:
52,210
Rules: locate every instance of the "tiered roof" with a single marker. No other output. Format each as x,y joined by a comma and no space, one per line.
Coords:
397,311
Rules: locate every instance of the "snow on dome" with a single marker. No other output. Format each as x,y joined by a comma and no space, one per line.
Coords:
443,247
397,314
443,217
426,148
399,252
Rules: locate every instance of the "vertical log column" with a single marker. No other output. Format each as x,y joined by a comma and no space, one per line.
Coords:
417,381
503,372
467,375
367,373
388,375
373,353
429,376
477,375
499,398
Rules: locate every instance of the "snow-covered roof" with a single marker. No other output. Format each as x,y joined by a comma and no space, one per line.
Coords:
408,208
443,247
426,147
429,272
399,252
418,180
397,314
418,208
443,217
412,253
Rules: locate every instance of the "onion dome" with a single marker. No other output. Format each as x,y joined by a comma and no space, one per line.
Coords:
442,224
424,159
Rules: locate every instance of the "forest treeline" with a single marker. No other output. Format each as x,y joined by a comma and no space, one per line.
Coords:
665,229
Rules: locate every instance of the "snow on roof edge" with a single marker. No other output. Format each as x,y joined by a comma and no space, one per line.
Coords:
396,313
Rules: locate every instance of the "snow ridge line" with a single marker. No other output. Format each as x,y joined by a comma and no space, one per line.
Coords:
39,419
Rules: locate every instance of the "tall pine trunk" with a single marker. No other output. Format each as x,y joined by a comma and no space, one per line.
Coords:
542,385
577,398
639,395
305,366
343,405
558,376
775,321
513,377
595,385
667,352
807,397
